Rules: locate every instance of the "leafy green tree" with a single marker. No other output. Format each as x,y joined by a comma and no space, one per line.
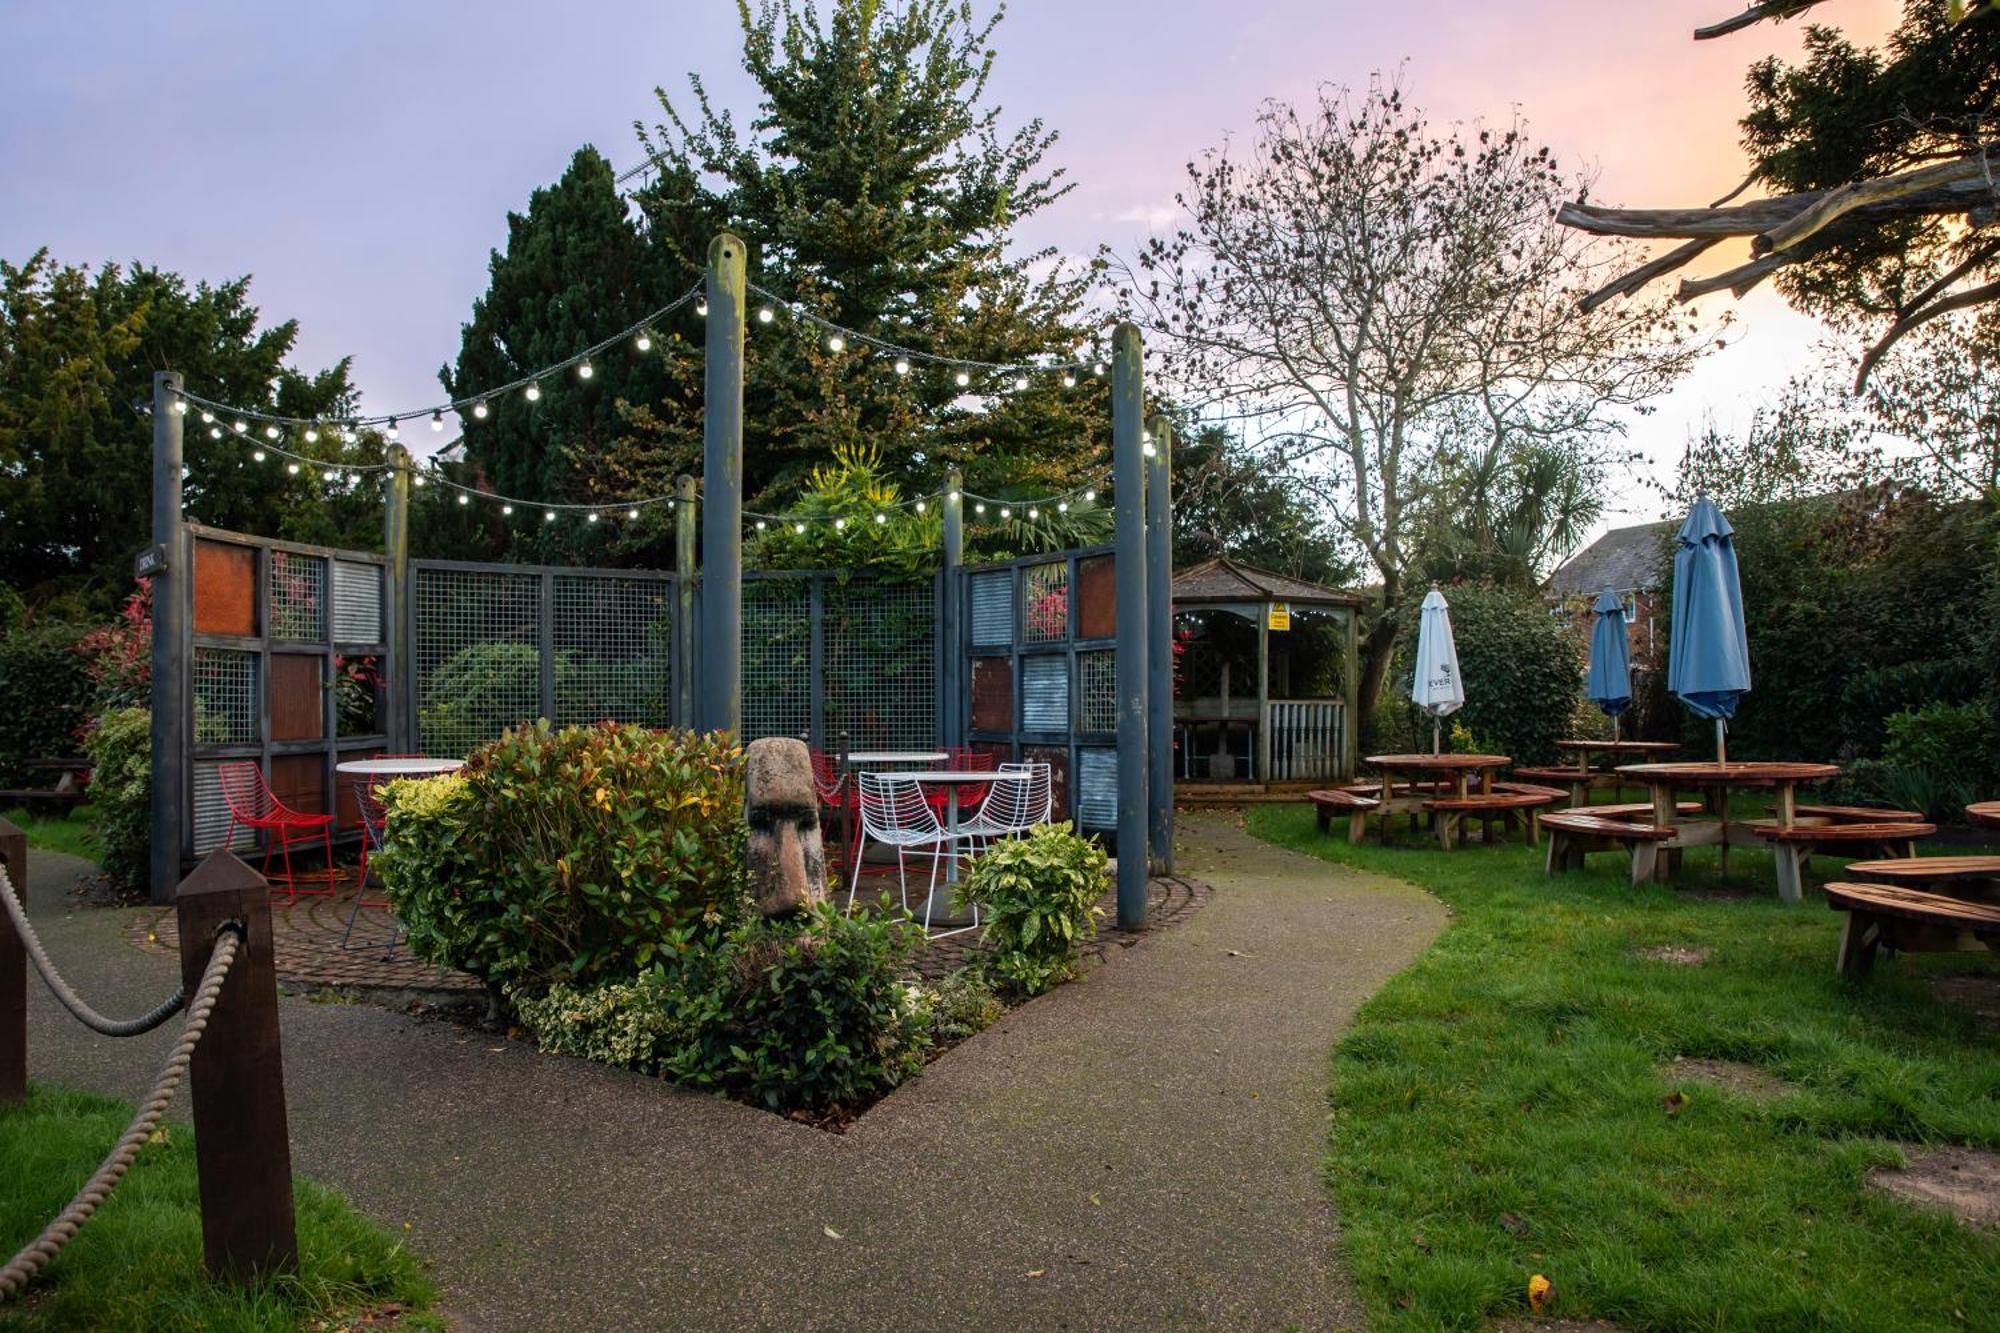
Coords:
1228,502
78,349
876,189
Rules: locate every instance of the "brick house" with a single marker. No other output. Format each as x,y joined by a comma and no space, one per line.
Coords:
1628,561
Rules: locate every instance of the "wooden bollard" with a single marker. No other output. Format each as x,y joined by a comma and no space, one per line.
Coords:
243,1149
14,975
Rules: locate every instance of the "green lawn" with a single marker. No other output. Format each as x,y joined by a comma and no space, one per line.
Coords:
1501,1108
137,1264
71,833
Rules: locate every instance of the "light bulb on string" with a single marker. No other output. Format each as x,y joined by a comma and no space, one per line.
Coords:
215,432
239,427
632,514
839,524
881,518
292,468
764,315
1097,369
208,418
962,379
902,365
464,499
591,516
1034,514
644,342
1020,384
920,506
701,308
1069,380
393,429
836,343
331,474
585,370
437,420
180,407
479,410
533,393
257,456
270,432
760,525
312,435
979,507
799,528
1063,507
952,496
1090,497
506,510
417,479
1006,512
1148,449
548,516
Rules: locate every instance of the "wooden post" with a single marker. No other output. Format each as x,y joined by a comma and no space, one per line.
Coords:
173,581
402,671
14,975
1160,630
684,576
243,1151
1263,760
1350,738
1128,470
722,491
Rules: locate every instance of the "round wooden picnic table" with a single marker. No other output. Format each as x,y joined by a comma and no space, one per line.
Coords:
1618,747
1578,773
1410,769
1666,781
1985,812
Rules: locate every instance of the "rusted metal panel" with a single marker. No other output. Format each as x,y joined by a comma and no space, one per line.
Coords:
1097,597
1057,758
299,780
225,589
297,697
992,694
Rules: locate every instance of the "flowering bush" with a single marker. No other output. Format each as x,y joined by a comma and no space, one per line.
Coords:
120,747
118,657
567,856
1040,897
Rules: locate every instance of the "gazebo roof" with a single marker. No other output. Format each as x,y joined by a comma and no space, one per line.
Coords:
1223,580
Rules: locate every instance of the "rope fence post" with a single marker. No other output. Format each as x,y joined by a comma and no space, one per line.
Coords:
243,1150
14,974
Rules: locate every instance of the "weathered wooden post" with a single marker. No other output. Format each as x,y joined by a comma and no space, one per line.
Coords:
401,667
1160,655
243,1150
13,974
1128,472
1350,731
684,576
172,579
722,491
951,658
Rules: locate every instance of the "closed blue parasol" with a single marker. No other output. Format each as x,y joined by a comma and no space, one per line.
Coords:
1609,685
1708,658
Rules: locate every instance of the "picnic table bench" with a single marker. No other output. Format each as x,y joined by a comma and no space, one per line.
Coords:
1342,801
1954,876
1889,916
67,791
1580,776
1794,844
1574,833
1451,812
1984,812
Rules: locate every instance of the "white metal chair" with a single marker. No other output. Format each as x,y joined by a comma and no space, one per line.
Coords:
895,813
1012,808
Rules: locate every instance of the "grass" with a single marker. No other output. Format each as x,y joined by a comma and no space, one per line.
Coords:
1501,1108
137,1265
71,833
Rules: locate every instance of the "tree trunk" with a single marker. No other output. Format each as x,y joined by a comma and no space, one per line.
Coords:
1378,650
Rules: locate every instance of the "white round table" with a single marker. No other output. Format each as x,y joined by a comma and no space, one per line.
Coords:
418,767
883,758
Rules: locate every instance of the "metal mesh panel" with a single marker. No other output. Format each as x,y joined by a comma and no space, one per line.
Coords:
777,657
992,598
298,596
1045,603
613,649
226,711
357,602
1097,788
1097,691
211,814
1045,692
880,669
478,659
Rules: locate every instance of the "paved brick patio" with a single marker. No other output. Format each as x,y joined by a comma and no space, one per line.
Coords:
307,931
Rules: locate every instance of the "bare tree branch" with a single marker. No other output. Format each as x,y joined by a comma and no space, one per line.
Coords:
1770,9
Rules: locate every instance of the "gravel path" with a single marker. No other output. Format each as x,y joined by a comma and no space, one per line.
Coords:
1141,1149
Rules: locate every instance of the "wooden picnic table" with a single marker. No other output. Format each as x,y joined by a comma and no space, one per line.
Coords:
1415,773
1984,812
1667,781
1580,775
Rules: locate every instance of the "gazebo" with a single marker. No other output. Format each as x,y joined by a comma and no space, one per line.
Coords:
1265,678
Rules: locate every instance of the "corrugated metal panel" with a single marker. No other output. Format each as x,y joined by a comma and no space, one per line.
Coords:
992,597
1045,692
1097,789
357,602
211,814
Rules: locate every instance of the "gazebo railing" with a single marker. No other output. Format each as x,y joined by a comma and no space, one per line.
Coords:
1306,739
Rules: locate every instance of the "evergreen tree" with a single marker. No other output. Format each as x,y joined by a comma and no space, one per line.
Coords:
876,188
77,354
575,269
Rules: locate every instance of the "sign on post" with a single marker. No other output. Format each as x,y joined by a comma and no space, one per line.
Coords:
1280,616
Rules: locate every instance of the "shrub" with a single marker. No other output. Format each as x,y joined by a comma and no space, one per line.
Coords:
1938,758
1523,671
810,1014
48,695
567,856
120,654
120,748
962,1004
1040,894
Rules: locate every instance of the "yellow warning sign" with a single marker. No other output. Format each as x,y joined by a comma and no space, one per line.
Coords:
1281,615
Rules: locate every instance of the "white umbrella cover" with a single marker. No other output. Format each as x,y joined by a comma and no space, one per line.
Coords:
1437,687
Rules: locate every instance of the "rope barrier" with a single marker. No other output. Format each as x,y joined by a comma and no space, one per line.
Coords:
90,1018
46,1246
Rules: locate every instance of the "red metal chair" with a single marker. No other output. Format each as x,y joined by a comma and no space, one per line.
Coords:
837,797
965,759
253,805
372,816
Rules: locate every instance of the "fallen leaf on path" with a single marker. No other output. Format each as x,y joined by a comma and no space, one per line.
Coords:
1540,1292
1034,1272
831,1232
1096,1202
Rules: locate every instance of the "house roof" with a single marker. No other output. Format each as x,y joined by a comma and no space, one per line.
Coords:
1223,580
1623,560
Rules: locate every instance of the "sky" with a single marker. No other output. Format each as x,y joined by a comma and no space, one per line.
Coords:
360,159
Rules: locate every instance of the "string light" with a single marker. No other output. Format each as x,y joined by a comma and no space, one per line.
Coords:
764,315
533,393
591,516
760,525
1034,514
312,436
702,309
239,427
437,420
506,510
1020,384
464,499
1090,497
585,371
330,474
902,365
632,514
881,518
920,506
962,379
1063,508
292,468
1097,369
479,410
839,524
1005,512
799,528
979,507
417,479
257,456
548,516
644,342
215,432
836,343
180,407
208,418
392,430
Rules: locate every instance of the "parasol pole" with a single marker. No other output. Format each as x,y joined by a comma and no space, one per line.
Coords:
1435,725
1721,745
